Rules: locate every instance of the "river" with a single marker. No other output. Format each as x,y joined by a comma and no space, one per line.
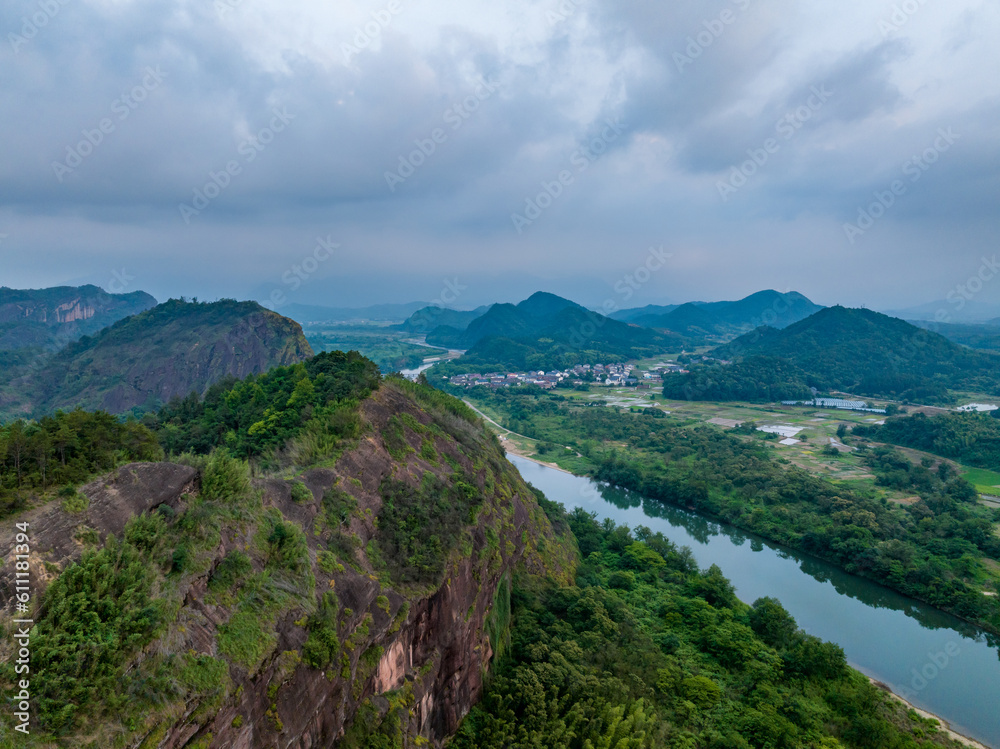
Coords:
937,662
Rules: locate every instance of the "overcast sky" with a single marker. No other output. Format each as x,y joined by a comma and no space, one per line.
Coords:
497,148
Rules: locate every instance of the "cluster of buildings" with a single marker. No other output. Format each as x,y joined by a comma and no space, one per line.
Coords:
621,375
843,405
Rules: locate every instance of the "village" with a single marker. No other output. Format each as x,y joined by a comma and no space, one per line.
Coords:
615,375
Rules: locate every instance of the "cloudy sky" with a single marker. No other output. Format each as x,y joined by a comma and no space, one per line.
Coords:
358,152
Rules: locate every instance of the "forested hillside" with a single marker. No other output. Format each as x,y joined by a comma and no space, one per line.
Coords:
341,561
848,350
940,549
142,361
646,650
347,580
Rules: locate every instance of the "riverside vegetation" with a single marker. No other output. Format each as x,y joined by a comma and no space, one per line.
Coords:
941,549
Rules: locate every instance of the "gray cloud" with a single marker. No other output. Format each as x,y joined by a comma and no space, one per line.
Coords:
694,91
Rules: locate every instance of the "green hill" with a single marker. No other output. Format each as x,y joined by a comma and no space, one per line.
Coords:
548,332
50,318
851,350
531,317
145,360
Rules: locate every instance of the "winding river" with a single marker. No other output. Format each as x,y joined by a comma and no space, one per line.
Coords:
936,661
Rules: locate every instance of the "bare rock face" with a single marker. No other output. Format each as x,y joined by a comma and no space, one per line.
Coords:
56,536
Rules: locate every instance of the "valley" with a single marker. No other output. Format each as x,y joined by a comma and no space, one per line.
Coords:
324,509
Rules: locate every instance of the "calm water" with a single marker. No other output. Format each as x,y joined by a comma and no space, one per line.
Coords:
936,661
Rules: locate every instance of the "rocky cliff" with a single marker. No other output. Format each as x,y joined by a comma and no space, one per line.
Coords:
51,318
171,350
362,598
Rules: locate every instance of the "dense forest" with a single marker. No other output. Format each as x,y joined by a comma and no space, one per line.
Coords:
931,550
970,438
758,379
307,407
61,451
646,650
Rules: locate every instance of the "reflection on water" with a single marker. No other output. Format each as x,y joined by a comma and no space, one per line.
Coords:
888,636
702,530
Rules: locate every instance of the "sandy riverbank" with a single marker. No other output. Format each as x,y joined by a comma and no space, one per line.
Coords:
945,727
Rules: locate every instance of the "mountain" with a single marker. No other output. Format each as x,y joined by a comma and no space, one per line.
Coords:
650,311
352,589
688,319
145,360
856,351
51,318
424,320
530,317
312,313
771,308
547,332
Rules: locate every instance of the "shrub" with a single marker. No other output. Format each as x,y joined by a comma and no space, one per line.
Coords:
93,619
225,478
301,493
76,503
244,640
231,570
323,644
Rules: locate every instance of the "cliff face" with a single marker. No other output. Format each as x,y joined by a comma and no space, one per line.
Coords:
52,318
172,350
410,648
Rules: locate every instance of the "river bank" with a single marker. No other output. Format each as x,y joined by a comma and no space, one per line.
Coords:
945,727
885,635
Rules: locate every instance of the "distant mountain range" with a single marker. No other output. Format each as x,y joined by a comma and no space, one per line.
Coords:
51,318
955,310
848,350
426,319
546,331
145,360
713,319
